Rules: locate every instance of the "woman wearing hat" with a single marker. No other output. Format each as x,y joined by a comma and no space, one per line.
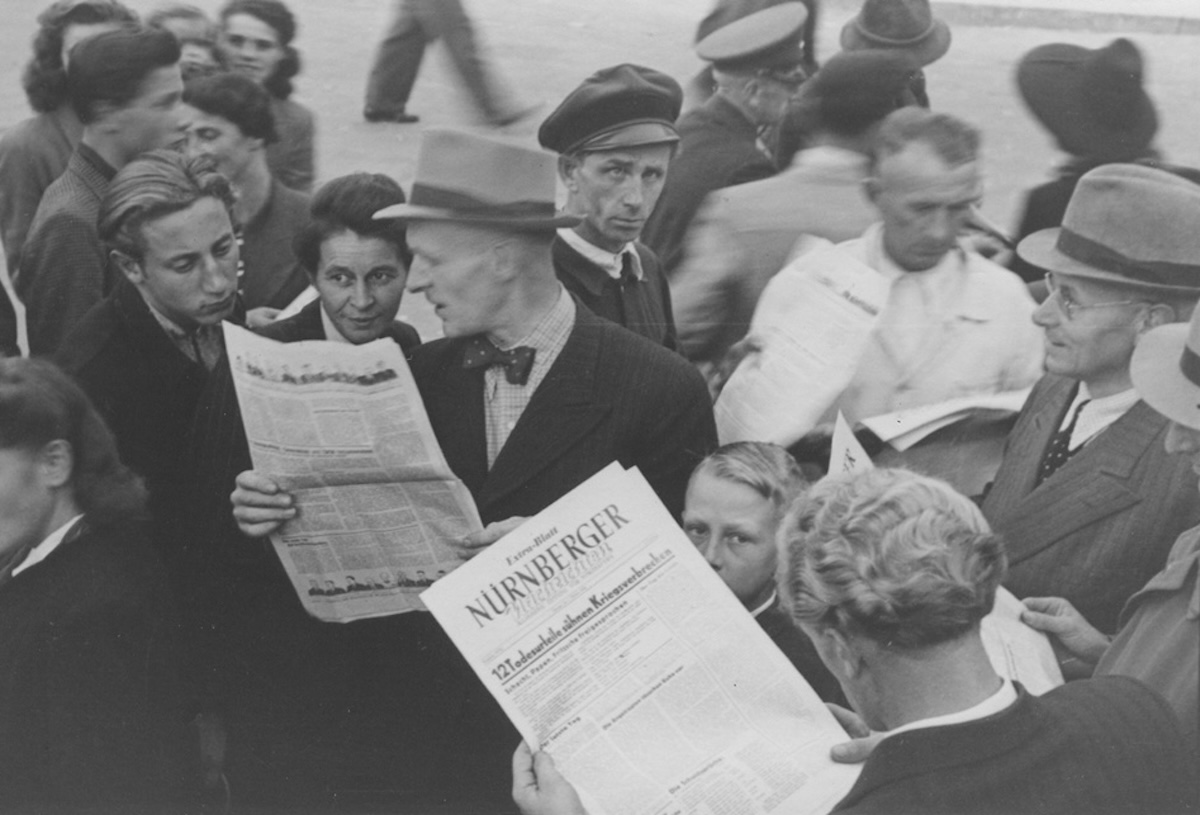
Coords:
256,38
1095,106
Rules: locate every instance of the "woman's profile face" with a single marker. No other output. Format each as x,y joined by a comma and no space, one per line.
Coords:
251,46
27,501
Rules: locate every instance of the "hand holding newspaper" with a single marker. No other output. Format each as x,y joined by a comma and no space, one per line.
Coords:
612,644
343,429
812,323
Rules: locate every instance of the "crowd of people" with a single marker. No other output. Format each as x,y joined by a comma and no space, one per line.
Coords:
596,291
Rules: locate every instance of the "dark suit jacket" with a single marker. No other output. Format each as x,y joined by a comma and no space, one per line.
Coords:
147,390
610,396
89,708
63,271
1099,745
1102,525
718,147
644,307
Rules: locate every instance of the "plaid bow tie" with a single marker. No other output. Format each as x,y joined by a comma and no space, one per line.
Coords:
517,362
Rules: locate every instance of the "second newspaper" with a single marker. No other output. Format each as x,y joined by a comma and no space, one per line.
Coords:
343,429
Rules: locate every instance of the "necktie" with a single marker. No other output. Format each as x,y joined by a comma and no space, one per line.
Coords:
517,362
1059,450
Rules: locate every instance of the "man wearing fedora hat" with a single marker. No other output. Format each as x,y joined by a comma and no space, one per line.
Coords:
1159,638
529,394
1086,496
758,65
615,135
1095,105
900,25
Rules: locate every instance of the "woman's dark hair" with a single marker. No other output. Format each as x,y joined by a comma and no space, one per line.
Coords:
40,404
109,68
237,99
280,18
349,203
45,78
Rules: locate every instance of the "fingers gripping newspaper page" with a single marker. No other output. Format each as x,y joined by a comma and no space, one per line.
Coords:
612,644
811,327
343,429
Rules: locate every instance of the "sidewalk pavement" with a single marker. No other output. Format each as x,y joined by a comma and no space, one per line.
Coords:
1116,16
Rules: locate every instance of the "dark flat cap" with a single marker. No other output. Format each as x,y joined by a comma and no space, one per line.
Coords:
622,106
765,39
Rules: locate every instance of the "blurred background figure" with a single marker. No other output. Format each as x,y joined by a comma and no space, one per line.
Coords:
416,24
256,37
900,25
197,36
1094,103
228,117
90,715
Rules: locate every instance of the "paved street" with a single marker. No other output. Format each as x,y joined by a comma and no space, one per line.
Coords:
545,47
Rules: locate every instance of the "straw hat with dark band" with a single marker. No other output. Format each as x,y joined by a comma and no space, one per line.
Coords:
470,179
1166,370
1126,224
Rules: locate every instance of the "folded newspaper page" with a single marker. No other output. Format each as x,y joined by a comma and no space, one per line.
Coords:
612,644
904,428
343,429
811,329
1016,650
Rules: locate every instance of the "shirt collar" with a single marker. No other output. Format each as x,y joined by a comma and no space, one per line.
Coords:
612,264
770,601
1098,414
93,160
551,332
831,157
998,701
43,550
945,284
206,338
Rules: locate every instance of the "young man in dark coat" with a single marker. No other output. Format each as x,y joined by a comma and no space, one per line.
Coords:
125,87
529,394
615,136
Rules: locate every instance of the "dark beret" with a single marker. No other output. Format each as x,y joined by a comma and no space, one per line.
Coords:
622,106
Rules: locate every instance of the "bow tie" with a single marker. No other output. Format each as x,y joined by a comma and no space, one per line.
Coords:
517,362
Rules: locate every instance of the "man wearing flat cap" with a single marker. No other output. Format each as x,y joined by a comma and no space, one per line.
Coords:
529,394
758,65
615,135
1086,497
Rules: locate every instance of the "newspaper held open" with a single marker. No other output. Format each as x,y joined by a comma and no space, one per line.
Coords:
343,429
612,644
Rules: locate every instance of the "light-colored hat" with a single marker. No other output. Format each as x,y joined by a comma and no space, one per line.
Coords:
907,25
765,40
1126,224
1166,370
471,179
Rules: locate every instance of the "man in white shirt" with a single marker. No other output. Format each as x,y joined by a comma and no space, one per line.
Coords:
744,234
1086,496
955,323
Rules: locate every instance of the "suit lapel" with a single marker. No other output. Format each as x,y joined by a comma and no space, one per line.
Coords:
1092,485
562,410
454,399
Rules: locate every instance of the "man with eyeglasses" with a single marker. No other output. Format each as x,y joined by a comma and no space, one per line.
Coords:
758,67
1086,497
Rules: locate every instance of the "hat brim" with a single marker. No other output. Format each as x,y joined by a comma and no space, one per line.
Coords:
1158,378
1050,87
929,49
1041,250
410,212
